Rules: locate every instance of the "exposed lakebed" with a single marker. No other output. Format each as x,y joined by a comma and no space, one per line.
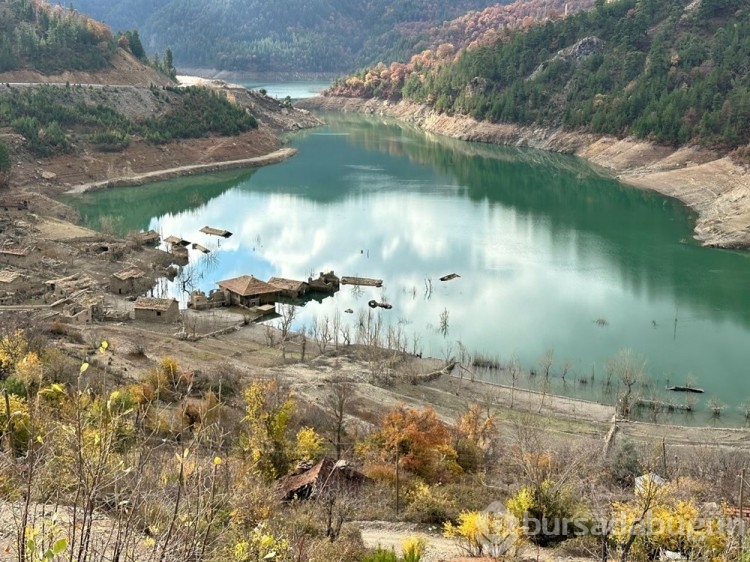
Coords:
551,254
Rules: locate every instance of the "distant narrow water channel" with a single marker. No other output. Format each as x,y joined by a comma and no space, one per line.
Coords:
552,257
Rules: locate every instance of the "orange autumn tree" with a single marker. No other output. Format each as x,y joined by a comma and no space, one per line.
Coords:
422,441
474,438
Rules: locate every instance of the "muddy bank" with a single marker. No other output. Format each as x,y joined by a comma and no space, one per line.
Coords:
711,184
160,175
88,167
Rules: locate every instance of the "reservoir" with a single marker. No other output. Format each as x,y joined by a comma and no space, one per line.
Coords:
557,264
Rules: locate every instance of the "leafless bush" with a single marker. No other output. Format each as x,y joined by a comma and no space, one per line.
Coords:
322,333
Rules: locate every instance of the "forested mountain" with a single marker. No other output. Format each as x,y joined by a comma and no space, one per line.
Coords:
50,38
673,72
44,38
286,35
483,26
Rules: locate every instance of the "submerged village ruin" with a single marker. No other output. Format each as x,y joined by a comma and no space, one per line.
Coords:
122,290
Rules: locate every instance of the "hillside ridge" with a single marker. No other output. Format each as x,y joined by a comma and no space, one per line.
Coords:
123,69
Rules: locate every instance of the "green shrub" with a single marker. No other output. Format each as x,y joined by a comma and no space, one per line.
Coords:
547,502
381,555
625,464
430,504
5,163
44,139
202,112
347,548
111,140
413,549
15,386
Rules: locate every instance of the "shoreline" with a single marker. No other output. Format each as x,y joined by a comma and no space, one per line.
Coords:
713,186
159,175
571,408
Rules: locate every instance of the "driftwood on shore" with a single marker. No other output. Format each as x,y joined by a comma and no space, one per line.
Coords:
432,375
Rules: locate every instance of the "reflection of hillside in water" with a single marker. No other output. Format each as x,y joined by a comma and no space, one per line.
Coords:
543,243
134,207
559,199
640,232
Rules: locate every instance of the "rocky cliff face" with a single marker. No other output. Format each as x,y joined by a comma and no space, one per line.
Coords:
576,53
711,184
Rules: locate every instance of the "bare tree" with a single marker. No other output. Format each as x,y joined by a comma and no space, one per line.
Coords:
288,313
444,322
545,366
336,328
545,363
270,333
322,333
564,370
346,334
340,500
546,388
514,370
189,322
416,348
629,370
716,405
336,402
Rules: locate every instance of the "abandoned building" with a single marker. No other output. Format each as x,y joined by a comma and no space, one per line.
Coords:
13,253
325,283
289,287
199,300
178,248
150,237
67,286
83,309
216,232
10,281
129,281
156,310
248,291
14,205
176,241
310,480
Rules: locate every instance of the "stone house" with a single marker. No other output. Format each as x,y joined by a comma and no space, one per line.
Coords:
150,237
10,281
289,287
156,310
248,291
67,286
128,281
325,283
